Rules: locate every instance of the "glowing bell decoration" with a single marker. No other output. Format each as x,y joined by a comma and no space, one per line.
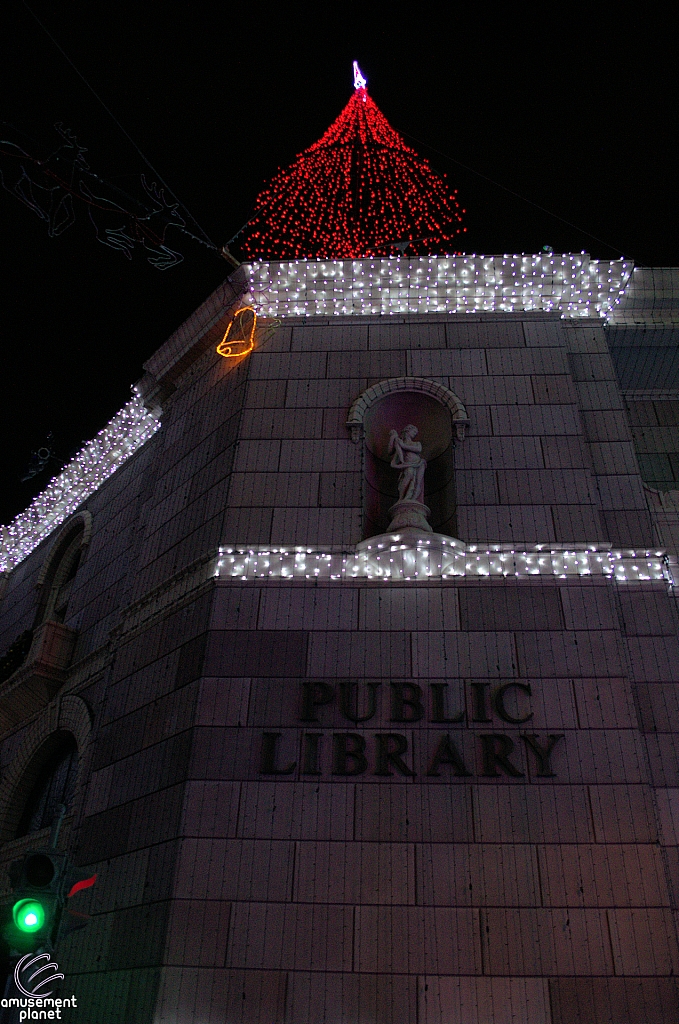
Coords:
239,337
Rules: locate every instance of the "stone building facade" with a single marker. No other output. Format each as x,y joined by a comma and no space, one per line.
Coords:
329,772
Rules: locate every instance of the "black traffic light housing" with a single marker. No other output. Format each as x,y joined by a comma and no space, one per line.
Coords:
31,918
43,880
36,916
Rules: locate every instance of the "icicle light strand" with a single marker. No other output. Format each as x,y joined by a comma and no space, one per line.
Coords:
391,557
99,459
571,284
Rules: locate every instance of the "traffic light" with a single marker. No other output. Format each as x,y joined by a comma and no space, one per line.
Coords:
37,916
38,883
29,916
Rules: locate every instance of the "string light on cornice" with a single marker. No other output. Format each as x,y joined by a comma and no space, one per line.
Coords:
571,284
81,477
392,558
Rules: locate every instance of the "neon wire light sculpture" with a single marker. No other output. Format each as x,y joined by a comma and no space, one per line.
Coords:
359,191
239,337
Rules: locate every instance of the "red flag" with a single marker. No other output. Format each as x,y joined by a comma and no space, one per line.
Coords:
84,884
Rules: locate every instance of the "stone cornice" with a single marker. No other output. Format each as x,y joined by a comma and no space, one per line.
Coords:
157,601
201,331
571,284
411,555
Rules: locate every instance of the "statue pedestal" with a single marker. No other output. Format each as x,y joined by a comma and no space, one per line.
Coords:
411,514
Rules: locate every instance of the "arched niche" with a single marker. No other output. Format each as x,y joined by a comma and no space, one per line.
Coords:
42,739
440,418
55,776
60,566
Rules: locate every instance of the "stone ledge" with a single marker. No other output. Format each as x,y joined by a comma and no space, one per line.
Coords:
416,556
45,670
197,334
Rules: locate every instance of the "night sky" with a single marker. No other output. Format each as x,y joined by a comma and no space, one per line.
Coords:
570,106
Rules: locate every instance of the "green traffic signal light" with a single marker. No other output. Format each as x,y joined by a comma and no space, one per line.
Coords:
29,916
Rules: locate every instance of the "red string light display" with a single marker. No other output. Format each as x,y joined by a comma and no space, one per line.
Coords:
359,191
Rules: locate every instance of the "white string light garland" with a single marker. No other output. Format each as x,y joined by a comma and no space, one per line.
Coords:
571,284
82,476
393,557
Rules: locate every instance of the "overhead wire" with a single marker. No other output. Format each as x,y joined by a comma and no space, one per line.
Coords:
207,240
517,195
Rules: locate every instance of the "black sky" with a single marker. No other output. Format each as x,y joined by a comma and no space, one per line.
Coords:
573,107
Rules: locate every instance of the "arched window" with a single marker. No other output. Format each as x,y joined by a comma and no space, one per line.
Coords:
54,784
60,571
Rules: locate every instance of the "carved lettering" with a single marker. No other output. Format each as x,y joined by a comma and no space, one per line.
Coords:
499,754
406,702
438,708
480,702
543,754
496,750
269,756
447,753
498,699
350,708
315,695
348,754
311,753
389,747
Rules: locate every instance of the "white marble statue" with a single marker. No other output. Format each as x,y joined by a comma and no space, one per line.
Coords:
407,457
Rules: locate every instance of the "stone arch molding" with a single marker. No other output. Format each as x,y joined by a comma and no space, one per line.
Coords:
70,714
442,394
83,518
